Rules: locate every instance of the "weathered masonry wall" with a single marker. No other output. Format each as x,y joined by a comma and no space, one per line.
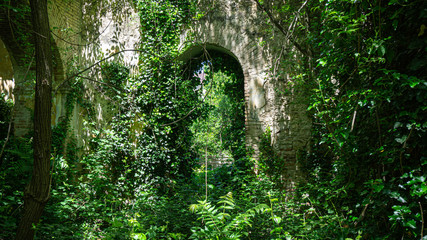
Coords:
273,101
86,31
63,16
107,27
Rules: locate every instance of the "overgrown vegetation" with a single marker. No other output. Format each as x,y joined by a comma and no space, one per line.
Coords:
368,162
365,68
219,130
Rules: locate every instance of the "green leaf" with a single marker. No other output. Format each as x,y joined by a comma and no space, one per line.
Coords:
411,223
277,220
116,223
401,140
381,50
138,236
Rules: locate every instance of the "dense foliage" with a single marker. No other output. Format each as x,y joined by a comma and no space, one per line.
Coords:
364,66
369,114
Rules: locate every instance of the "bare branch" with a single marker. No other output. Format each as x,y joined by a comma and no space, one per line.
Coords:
362,215
403,149
82,45
281,29
93,65
93,80
5,142
207,56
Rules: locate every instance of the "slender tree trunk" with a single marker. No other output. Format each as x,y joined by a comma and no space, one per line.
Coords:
37,192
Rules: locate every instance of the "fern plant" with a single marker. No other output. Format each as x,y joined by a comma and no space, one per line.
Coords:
223,221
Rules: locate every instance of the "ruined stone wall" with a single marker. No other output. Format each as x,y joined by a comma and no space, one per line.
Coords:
14,70
273,99
64,21
65,24
87,31
108,27
84,32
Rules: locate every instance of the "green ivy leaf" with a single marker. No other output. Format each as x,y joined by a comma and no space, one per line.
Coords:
411,223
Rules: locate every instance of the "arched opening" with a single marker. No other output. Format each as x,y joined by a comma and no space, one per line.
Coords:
219,131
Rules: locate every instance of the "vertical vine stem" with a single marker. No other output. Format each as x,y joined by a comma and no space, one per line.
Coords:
422,220
206,171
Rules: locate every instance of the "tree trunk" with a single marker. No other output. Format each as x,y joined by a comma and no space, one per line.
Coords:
37,192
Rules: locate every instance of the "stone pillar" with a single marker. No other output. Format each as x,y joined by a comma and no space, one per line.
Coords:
24,100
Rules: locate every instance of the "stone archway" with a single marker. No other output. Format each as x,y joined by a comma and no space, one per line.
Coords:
272,100
236,27
226,98
254,96
230,28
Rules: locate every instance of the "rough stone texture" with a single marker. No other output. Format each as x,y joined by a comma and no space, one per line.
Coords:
63,19
24,100
272,100
86,31
13,72
107,27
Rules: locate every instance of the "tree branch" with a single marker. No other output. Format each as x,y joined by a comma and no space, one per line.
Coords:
82,45
93,65
5,142
403,149
281,29
207,56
